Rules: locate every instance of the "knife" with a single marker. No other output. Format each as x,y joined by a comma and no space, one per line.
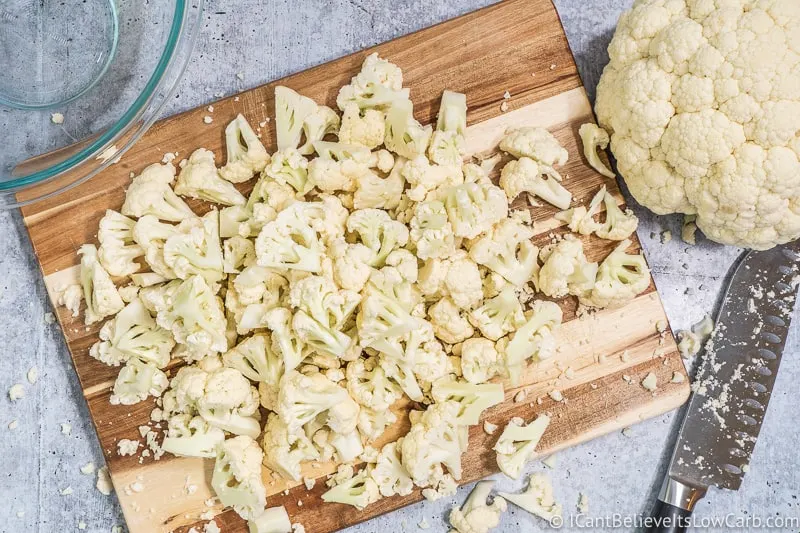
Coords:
733,385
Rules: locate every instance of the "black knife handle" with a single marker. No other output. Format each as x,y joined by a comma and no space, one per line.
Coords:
666,518
674,507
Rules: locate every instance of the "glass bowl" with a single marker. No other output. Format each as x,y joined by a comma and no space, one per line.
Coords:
81,82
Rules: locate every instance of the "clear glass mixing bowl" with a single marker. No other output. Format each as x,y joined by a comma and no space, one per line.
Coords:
106,67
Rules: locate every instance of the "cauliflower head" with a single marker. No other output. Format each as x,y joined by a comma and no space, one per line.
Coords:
237,477
701,102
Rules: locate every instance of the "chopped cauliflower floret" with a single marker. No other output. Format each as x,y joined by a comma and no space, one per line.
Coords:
136,381
526,175
102,298
118,250
273,520
389,472
358,491
517,443
284,450
476,516
533,339
150,194
196,250
448,324
473,208
537,499
246,155
425,178
432,443
237,477
620,278
366,128
404,135
472,398
199,179
594,137
431,231
565,269
534,143
480,360
619,224
498,316
507,249
447,143
379,85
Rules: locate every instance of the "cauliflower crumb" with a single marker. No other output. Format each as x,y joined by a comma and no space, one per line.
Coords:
66,428
33,375
16,392
127,447
583,503
627,432
489,428
666,236
81,525
65,491
88,469
556,395
211,527
309,482
297,527
13,424
506,95
49,318
423,524
57,118
677,377
520,396
504,106
650,382
207,119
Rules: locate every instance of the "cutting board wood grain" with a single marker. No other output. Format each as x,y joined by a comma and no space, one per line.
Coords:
516,46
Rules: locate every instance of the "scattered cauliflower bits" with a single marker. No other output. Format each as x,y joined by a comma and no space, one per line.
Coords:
702,104
382,267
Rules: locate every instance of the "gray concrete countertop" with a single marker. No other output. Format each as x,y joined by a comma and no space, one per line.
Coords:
268,40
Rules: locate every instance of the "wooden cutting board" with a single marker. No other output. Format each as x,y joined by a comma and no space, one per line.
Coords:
517,46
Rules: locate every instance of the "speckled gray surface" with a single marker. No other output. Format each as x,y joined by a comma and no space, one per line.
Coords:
267,40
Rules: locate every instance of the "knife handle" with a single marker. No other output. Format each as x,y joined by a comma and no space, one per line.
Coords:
674,507
667,518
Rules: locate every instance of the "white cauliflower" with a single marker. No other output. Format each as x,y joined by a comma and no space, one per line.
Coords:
480,360
196,250
517,443
324,121
151,235
274,520
498,316
302,398
230,403
195,317
379,85
389,473
366,128
447,143
292,240
432,444
619,224
284,341
255,359
358,491
594,137
473,208
246,155
620,278
136,381
431,231
102,298
133,333
199,179
192,436
368,385
537,499
237,252
285,450
384,193
533,339
237,477
321,311
448,323
118,250
701,104
507,249
404,135
476,516
289,167
566,269
472,399
351,264
150,194
526,175
580,219
70,297
339,166
425,178
534,143
378,232
457,276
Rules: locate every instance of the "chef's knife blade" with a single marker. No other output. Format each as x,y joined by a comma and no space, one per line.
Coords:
733,383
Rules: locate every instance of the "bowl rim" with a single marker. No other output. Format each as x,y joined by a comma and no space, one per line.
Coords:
172,63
